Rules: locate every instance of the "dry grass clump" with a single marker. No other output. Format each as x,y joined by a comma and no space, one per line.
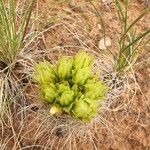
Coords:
16,58
64,132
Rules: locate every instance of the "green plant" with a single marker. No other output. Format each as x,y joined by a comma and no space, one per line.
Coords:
13,29
129,42
15,36
70,86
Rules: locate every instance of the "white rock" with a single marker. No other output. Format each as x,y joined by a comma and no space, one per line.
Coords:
104,1
99,26
107,1
104,43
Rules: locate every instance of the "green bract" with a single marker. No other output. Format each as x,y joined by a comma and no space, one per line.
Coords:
66,98
81,76
64,68
70,86
49,92
62,87
44,73
82,60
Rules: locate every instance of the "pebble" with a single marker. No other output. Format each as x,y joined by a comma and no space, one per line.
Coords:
104,43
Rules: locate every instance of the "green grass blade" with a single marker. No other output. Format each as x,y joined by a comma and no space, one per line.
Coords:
137,39
27,18
134,22
119,9
13,29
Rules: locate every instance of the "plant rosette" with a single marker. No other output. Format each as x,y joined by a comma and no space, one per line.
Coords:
71,87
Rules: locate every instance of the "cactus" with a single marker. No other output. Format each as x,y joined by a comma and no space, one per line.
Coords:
81,76
82,60
70,86
44,73
66,98
81,109
64,68
95,90
49,92
62,87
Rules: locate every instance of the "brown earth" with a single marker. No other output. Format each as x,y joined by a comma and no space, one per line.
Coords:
69,27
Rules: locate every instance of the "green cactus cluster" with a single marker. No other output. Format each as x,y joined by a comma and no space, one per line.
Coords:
71,86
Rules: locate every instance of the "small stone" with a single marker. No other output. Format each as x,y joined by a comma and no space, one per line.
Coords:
72,3
106,1
104,43
99,26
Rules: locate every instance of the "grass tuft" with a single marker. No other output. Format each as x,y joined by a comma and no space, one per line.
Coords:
129,41
15,36
13,29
